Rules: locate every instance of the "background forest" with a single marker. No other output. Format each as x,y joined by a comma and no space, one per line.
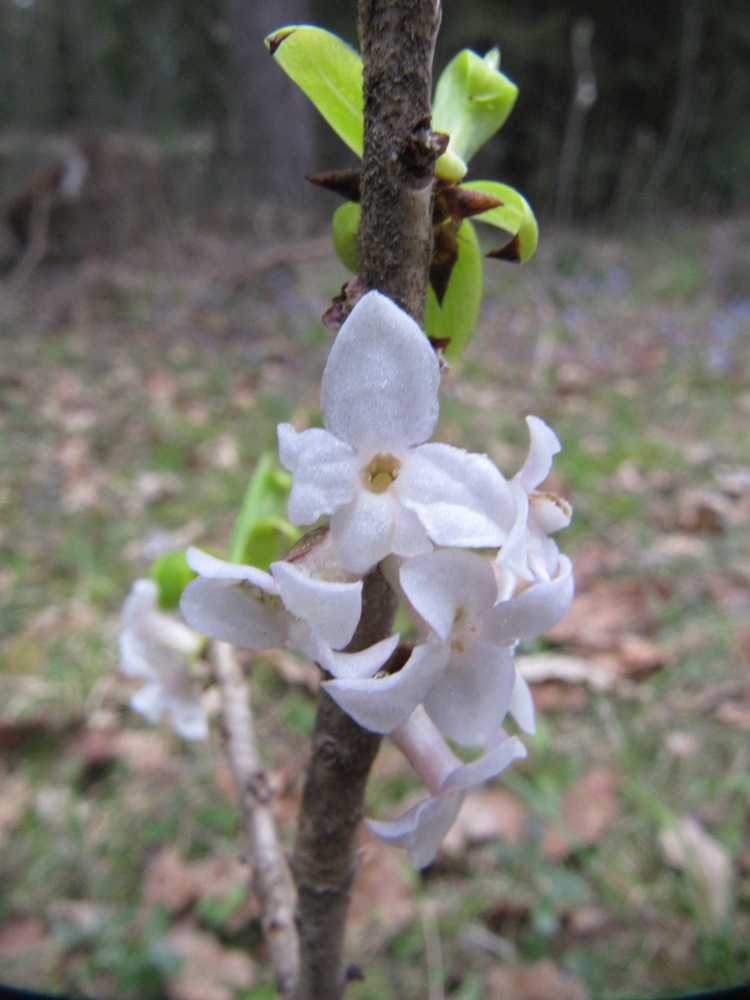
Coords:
623,107
157,322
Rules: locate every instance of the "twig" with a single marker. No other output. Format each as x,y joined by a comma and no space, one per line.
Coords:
395,240
325,859
271,876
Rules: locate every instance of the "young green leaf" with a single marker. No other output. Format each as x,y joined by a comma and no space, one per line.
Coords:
261,533
472,100
457,316
329,72
514,216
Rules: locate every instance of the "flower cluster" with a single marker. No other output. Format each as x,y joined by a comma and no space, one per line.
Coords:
467,551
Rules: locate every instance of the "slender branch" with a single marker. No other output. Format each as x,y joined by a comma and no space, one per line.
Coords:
395,232
271,876
325,859
395,238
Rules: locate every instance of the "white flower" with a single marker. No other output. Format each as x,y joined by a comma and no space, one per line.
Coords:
253,609
464,673
528,550
422,827
387,491
159,649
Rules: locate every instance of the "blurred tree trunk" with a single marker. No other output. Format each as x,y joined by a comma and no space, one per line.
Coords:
274,126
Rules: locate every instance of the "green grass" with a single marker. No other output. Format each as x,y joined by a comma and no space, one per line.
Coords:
136,400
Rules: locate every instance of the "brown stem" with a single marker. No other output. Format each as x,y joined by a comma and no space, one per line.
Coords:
271,876
395,236
325,859
395,231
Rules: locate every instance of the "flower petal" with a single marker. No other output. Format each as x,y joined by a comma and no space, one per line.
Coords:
534,611
234,613
325,472
149,701
381,380
543,445
363,530
522,705
211,568
332,609
380,704
489,765
188,716
364,663
462,499
469,699
421,829
438,584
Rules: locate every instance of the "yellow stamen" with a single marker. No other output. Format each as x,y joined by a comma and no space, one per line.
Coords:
381,472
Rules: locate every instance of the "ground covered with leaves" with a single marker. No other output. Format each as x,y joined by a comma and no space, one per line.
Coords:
137,394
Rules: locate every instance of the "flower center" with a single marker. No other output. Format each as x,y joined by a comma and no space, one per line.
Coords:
382,470
464,631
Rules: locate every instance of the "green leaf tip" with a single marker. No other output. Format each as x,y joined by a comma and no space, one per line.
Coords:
261,532
328,71
514,215
472,101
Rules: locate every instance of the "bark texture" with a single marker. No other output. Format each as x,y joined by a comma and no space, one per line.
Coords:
271,877
395,233
397,39
325,857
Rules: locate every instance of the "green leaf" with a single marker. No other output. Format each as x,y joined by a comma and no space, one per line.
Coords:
261,532
345,225
472,100
172,574
329,71
458,315
514,216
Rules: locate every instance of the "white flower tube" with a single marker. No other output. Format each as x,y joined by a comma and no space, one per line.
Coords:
421,828
159,649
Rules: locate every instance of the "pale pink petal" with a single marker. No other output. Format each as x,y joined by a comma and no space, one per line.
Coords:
188,717
514,552
440,583
363,531
135,658
532,612
149,701
211,568
522,705
234,613
485,767
381,381
364,663
332,609
421,829
325,472
469,699
461,499
543,445
144,622
380,704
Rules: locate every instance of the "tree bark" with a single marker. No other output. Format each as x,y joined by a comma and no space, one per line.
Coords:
395,233
397,39
272,880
